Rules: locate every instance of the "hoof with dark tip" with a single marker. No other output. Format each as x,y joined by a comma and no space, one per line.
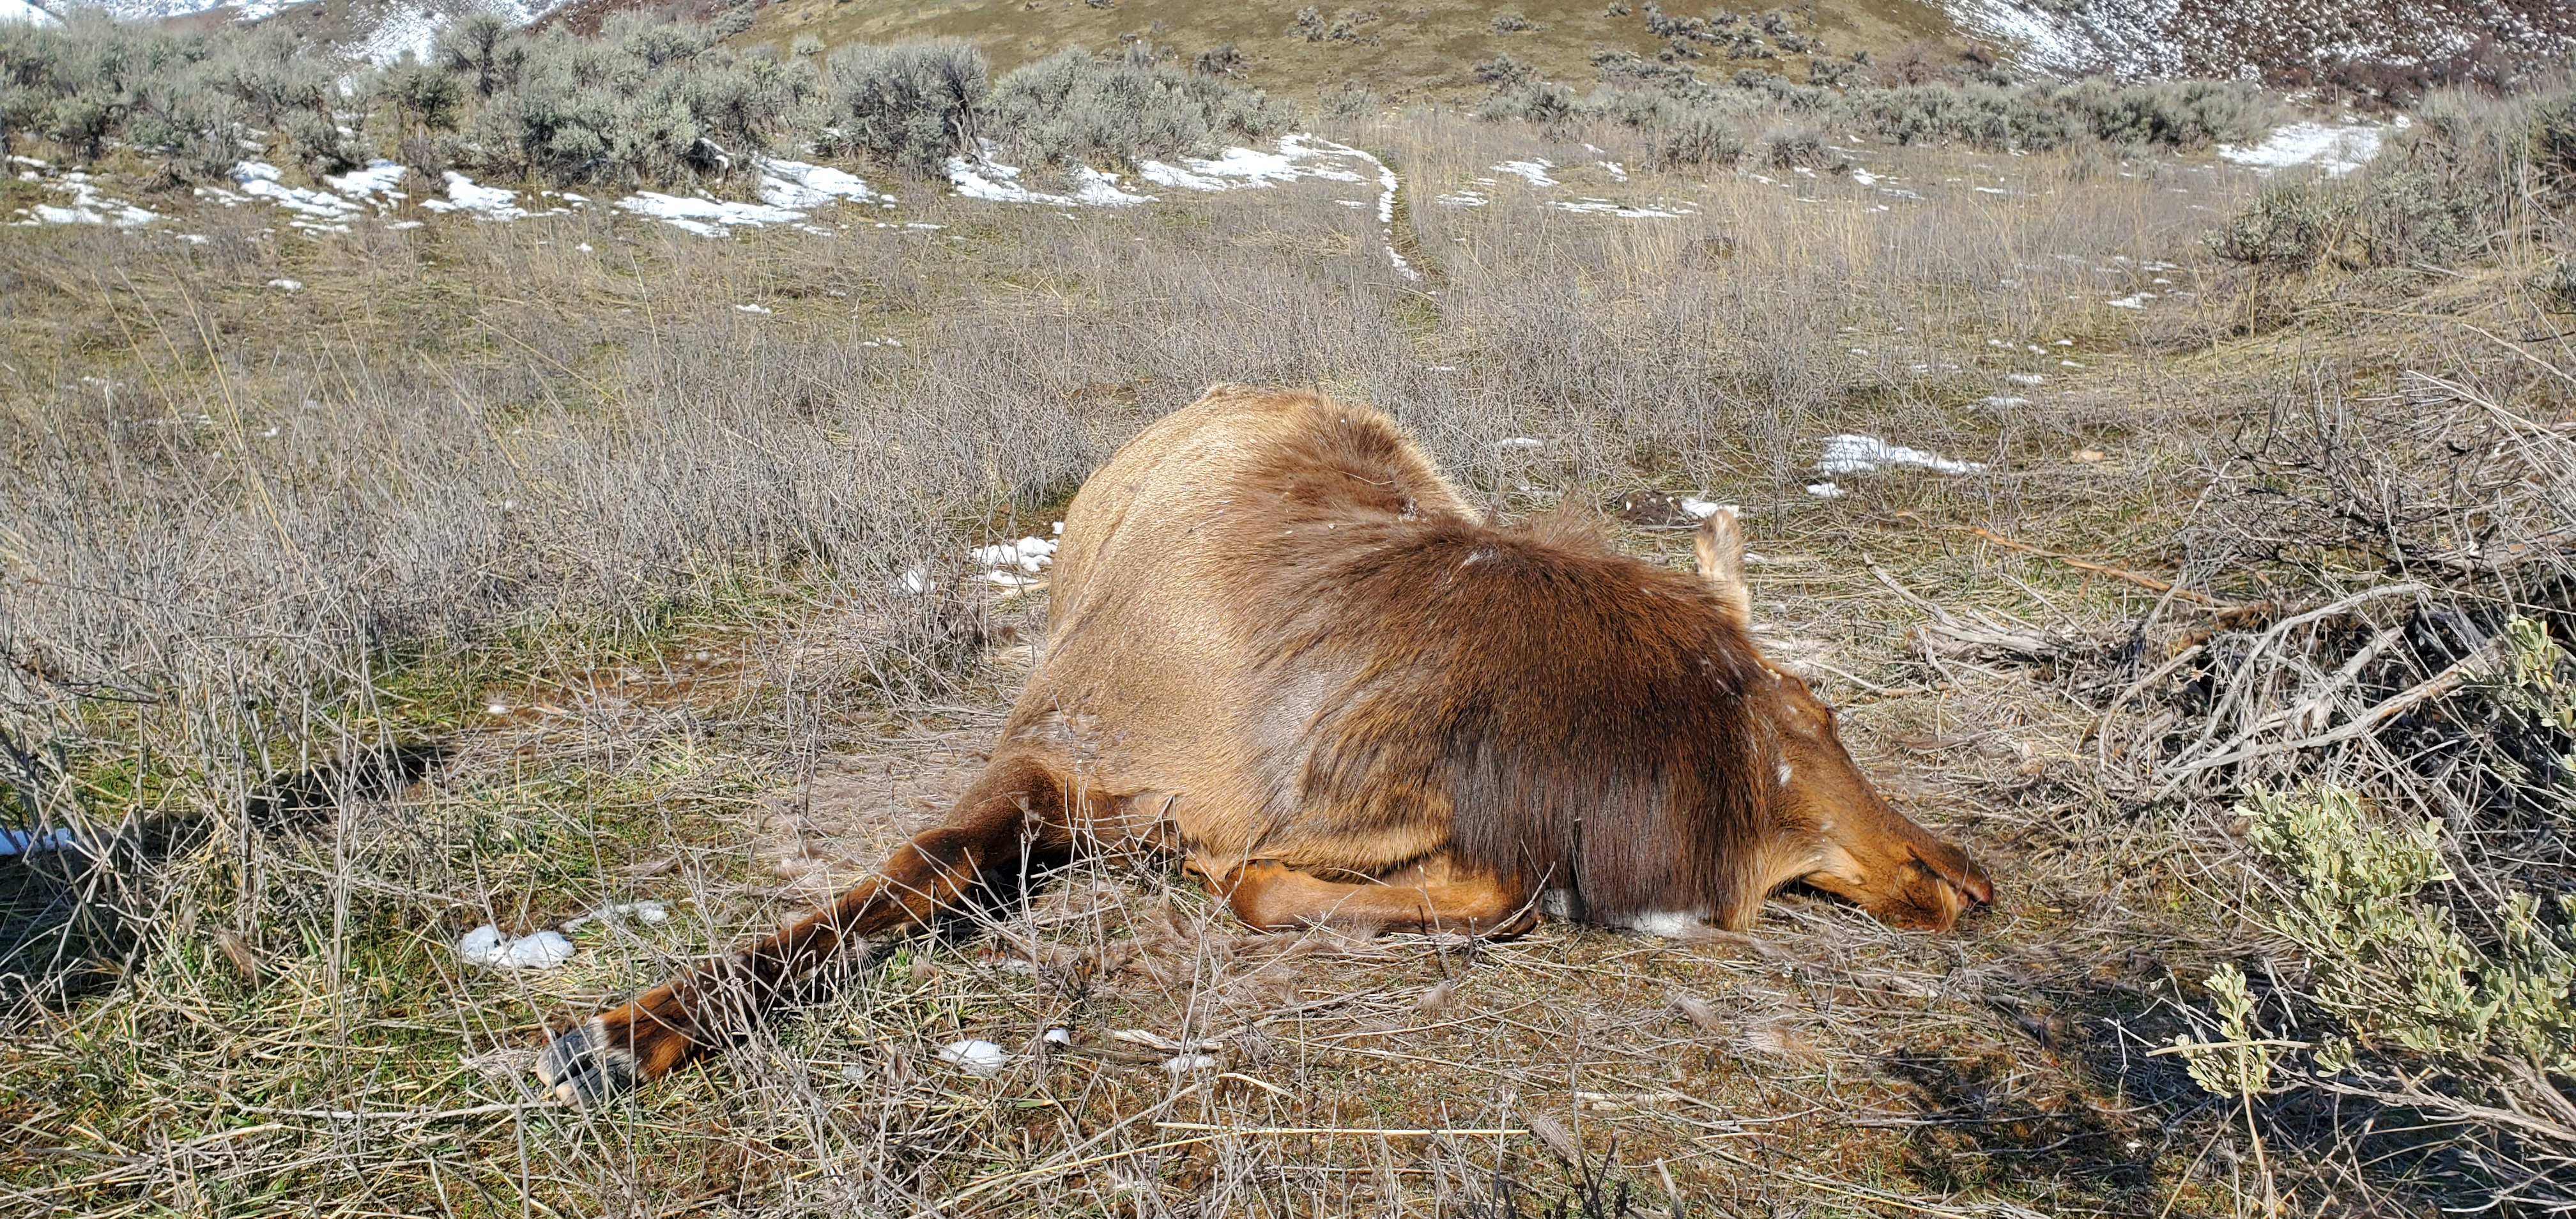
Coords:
583,1068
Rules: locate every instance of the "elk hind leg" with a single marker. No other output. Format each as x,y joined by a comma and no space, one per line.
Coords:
1013,816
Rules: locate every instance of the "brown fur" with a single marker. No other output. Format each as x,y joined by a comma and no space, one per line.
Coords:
1283,644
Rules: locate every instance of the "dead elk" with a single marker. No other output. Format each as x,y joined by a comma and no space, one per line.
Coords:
1283,644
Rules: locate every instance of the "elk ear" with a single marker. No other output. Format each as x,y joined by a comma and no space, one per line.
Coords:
1720,543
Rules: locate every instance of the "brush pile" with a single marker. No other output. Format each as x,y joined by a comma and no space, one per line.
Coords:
2360,689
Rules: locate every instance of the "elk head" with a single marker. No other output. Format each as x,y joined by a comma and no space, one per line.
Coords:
1828,826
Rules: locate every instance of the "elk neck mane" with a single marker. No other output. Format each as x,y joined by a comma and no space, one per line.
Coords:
1587,721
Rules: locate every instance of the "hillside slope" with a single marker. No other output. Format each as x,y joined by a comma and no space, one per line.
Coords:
1413,51
1428,51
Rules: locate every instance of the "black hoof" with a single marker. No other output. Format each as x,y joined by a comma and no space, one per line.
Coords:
583,1068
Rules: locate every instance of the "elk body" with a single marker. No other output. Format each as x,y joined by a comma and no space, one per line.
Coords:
1281,645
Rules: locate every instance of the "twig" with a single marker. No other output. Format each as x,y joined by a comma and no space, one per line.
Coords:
2236,681
1379,1131
413,1116
2435,687
1862,682
1911,597
2456,1109
2162,671
1007,1178
1880,1196
2150,583
1056,1169
2200,1047
2100,731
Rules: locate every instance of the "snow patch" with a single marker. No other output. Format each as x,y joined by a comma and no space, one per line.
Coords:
1850,453
789,190
485,202
88,206
1300,155
795,184
2338,149
978,1058
2043,44
486,946
1386,183
380,177
1237,169
1604,207
986,178
618,912
2165,39
20,12
315,210
1535,172
1028,556
704,217
1014,565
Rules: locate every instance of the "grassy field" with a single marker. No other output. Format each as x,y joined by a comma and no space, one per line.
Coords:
619,519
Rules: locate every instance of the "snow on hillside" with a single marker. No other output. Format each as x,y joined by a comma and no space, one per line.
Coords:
20,12
379,31
409,27
2262,39
150,10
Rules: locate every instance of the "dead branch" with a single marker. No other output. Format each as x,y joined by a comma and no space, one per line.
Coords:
2440,684
2124,575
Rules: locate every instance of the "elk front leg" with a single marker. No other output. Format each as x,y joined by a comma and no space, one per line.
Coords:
1018,806
1274,897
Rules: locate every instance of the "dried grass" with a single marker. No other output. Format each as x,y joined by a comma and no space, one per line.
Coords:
664,534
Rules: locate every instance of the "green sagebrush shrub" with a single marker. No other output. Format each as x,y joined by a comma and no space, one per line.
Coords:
645,101
2390,962
191,98
2441,190
2289,225
76,83
1078,107
908,107
1697,137
1689,121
